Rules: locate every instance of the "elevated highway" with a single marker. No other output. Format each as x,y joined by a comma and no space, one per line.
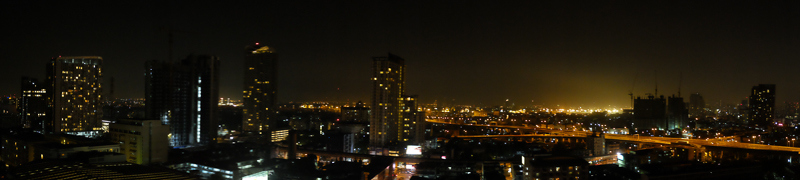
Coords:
619,137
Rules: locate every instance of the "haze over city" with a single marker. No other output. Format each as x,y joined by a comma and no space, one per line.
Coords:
467,52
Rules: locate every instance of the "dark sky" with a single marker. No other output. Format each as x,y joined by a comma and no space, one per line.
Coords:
585,54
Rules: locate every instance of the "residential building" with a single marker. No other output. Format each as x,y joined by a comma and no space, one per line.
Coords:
387,99
260,89
762,105
74,94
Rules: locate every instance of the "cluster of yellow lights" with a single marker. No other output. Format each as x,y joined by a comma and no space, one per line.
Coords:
611,111
263,49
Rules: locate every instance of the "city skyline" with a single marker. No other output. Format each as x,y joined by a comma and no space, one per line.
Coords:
588,55
431,90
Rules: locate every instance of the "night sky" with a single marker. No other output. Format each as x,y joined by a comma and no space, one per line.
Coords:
587,54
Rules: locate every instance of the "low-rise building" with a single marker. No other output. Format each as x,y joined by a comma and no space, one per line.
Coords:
555,167
21,148
142,141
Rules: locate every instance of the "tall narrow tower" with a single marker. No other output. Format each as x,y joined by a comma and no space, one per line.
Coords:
387,100
762,105
33,104
260,86
74,94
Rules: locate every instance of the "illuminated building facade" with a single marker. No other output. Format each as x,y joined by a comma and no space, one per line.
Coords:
386,120
413,127
762,105
141,141
74,94
259,98
185,96
33,104
279,135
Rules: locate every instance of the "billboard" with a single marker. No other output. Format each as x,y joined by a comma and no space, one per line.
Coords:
413,150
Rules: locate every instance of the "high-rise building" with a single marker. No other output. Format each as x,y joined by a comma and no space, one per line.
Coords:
74,94
649,113
141,141
33,104
413,123
387,100
677,114
762,105
259,98
185,96
696,105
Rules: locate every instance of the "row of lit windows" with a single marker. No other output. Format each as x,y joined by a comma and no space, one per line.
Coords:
32,91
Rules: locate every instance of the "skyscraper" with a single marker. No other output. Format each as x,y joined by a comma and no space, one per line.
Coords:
762,105
696,105
677,114
33,104
387,99
259,98
74,94
185,96
649,113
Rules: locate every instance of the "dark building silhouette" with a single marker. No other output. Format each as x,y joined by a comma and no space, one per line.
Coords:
260,96
387,97
230,117
32,104
677,114
74,94
697,105
649,113
356,114
184,95
762,105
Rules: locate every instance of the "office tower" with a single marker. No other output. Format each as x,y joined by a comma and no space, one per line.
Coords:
33,104
649,113
387,98
259,98
677,114
74,94
184,95
141,141
762,105
413,121
697,105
